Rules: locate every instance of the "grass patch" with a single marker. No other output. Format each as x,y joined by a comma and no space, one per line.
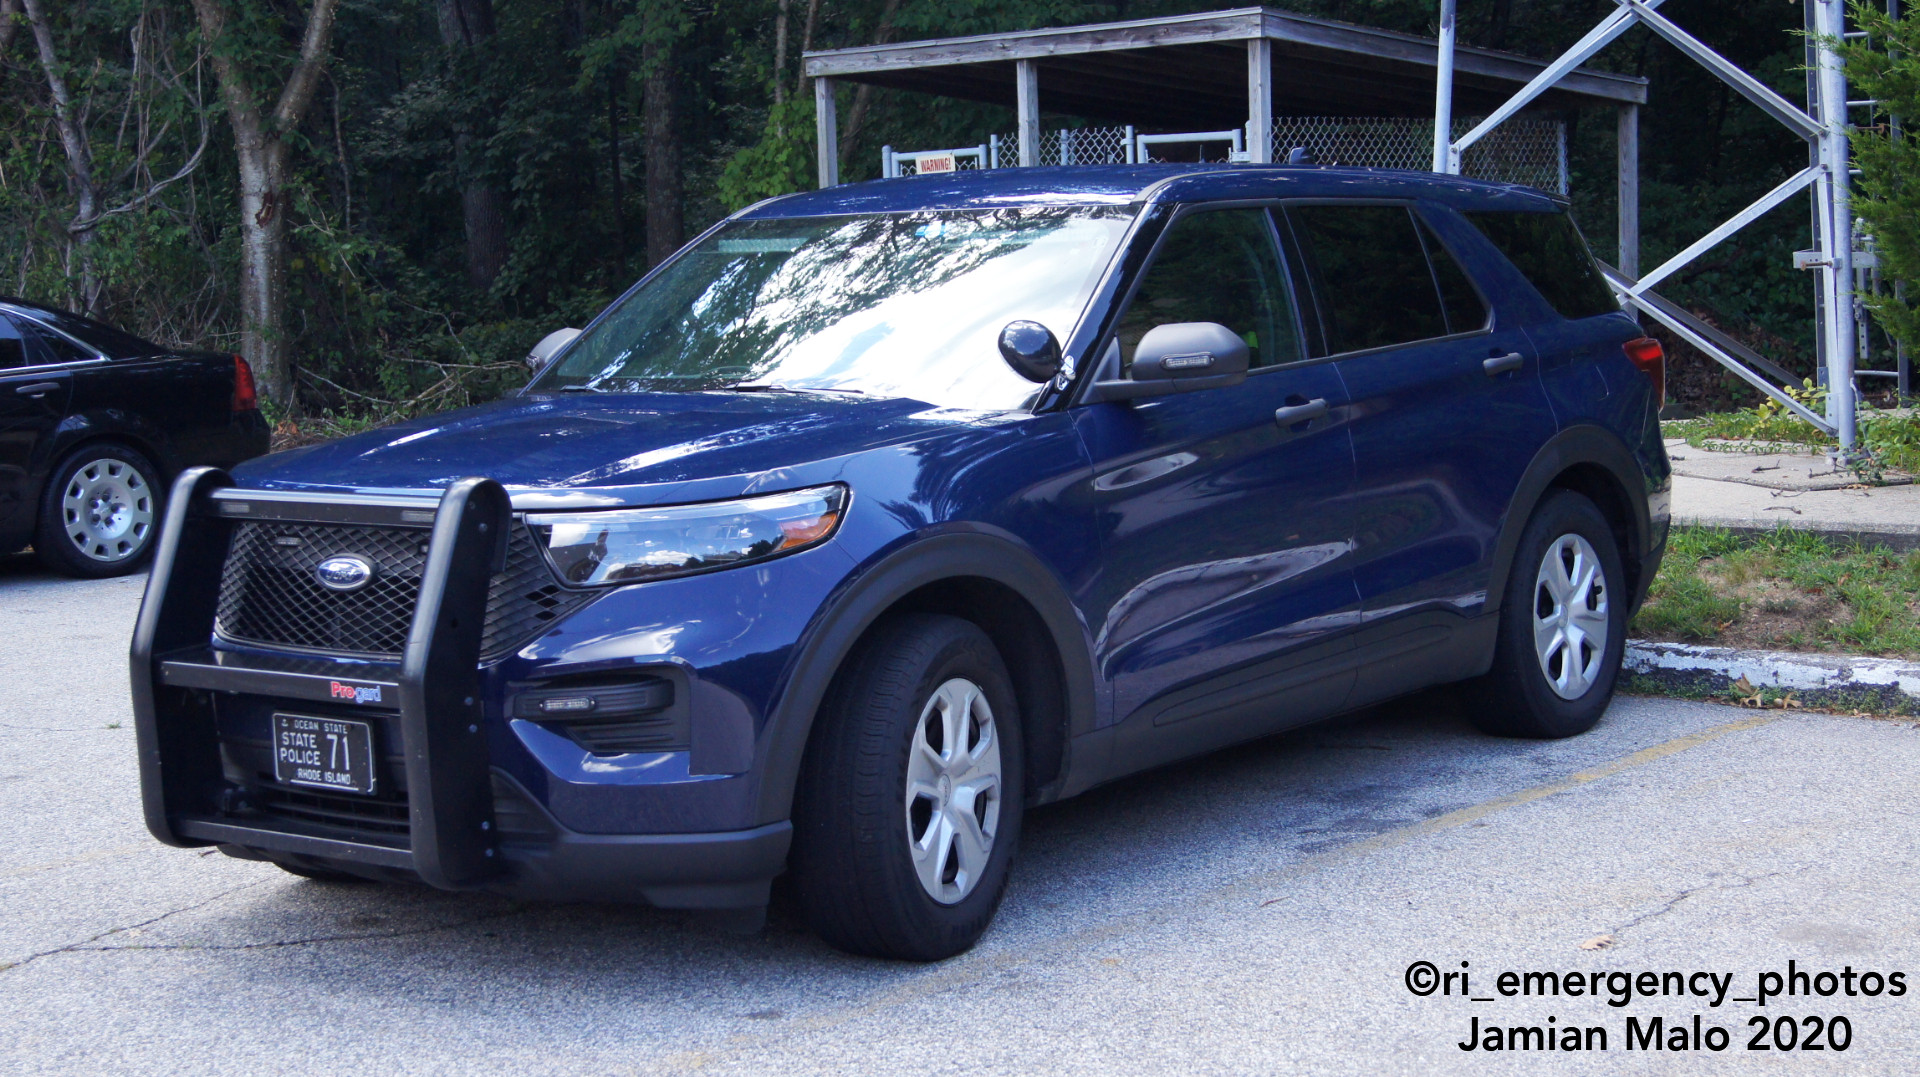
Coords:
1784,590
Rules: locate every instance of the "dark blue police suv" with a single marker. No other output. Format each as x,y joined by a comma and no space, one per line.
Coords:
882,513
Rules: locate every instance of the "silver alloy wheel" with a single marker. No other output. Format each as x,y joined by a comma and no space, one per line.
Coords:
106,510
1570,623
953,791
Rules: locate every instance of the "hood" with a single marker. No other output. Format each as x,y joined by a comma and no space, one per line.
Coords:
586,441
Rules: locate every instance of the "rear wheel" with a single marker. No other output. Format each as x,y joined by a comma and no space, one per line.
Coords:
1562,626
910,803
100,513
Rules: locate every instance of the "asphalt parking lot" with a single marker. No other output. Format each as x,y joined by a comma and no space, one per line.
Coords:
1258,911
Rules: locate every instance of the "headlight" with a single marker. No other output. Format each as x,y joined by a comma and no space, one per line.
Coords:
629,545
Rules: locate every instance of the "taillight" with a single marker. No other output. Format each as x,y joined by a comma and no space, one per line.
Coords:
245,397
1647,354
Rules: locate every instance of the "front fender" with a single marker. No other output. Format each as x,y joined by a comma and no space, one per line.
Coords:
957,551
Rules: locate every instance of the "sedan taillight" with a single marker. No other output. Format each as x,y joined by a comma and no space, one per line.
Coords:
1647,354
245,397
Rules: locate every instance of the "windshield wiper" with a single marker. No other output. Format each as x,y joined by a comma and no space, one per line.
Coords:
769,387
576,389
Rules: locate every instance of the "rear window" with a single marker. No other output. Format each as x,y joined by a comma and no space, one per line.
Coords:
1554,256
1375,285
103,338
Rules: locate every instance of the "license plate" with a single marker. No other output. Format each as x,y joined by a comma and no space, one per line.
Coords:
323,753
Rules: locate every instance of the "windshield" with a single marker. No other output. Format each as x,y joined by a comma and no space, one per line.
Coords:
905,305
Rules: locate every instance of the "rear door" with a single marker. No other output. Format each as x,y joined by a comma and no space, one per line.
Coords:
1448,413
1224,581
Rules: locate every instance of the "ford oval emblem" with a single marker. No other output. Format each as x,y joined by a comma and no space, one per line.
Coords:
344,572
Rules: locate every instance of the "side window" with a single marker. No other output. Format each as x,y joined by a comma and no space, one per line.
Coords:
13,350
47,346
1373,282
1217,266
1466,311
1554,256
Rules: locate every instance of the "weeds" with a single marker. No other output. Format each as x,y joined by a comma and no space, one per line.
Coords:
1889,438
1786,589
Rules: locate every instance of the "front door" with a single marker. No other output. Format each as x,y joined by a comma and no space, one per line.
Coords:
1225,580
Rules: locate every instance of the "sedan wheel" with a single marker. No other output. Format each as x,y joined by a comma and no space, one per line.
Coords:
100,513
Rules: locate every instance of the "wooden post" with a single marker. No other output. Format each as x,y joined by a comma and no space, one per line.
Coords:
1026,80
826,125
1628,213
1260,101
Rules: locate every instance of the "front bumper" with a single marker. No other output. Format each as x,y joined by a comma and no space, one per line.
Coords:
450,816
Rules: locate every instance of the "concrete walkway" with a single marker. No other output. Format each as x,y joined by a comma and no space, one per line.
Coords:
1758,492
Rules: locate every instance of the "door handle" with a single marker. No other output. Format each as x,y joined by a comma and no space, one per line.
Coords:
37,389
1301,413
1501,364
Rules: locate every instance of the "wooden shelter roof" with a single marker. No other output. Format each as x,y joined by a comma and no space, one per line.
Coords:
1190,71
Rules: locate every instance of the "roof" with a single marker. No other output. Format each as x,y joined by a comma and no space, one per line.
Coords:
1118,185
1189,71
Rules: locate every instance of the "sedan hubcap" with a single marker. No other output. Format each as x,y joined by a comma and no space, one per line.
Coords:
107,510
953,791
1570,622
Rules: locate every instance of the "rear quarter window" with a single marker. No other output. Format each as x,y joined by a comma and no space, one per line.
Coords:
1551,252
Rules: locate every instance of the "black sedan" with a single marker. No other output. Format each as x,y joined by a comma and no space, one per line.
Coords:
95,422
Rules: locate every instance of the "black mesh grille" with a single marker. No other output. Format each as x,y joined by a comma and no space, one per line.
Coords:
364,815
269,594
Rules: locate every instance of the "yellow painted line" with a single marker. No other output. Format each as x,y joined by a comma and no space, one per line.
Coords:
976,966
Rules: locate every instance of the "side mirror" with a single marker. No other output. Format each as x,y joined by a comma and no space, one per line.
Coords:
1031,350
548,347
1180,357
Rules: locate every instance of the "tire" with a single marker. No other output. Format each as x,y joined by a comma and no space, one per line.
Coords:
100,513
1557,683
888,844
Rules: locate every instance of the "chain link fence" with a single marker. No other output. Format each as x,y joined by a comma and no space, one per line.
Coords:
1532,151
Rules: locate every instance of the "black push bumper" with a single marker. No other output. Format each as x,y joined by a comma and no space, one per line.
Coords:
466,824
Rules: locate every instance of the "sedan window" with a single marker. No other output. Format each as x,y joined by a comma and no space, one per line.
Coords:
13,350
46,347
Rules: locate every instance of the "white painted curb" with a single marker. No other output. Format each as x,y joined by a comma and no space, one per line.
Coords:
1776,669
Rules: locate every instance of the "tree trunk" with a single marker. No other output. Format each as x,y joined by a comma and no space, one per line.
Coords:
261,151
73,140
664,226
466,25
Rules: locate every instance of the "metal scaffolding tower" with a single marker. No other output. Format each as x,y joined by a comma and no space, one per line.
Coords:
1823,123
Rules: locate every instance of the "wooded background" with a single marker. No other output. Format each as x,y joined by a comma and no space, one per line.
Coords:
385,203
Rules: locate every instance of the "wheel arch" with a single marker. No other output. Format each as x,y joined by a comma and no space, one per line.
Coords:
987,578
1590,461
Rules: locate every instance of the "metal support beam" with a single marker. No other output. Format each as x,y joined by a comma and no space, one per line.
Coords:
1793,185
1617,22
1627,203
1444,159
1260,100
1026,80
826,131
1837,275
1744,84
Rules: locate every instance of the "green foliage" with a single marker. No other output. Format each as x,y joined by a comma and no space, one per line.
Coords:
551,112
1889,439
1886,67
780,163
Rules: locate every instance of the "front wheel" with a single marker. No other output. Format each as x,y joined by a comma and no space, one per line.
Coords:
1563,626
910,803
100,514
